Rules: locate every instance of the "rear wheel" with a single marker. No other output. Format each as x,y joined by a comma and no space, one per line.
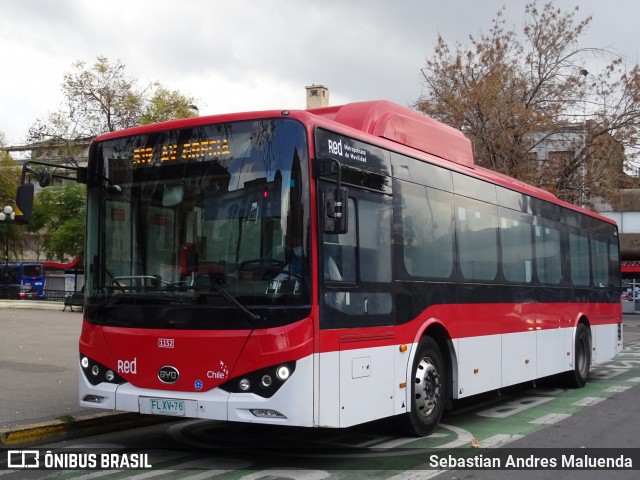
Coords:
428,389
577,378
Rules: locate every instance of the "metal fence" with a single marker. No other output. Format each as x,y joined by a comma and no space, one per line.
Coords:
55,295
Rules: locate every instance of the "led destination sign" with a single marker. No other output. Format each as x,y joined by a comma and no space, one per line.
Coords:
192,151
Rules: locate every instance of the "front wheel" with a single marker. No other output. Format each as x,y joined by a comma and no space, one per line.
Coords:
577,378
428,389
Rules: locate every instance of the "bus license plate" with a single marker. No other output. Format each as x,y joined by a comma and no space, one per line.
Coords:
167,406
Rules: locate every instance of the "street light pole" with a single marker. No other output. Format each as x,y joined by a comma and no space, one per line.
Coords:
7,215
585,133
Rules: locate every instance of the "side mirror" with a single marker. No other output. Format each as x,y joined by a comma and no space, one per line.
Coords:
334,199
45,178
24,202
335,210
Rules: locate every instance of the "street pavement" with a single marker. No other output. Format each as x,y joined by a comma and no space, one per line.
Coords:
39,375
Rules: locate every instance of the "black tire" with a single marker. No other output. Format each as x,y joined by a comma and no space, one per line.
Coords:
577,378
428,390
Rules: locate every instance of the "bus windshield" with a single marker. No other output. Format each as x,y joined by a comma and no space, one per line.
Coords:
211,215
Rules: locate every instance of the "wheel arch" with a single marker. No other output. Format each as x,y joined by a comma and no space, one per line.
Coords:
582,318
435,329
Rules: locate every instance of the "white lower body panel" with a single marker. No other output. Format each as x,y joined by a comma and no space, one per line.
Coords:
294,400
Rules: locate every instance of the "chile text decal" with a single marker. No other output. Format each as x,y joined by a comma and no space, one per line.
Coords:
220,373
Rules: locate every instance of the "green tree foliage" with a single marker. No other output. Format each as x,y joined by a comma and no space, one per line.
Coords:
166,105
511,93
9,176
58,214
102,98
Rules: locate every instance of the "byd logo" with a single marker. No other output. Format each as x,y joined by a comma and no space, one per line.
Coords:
168,374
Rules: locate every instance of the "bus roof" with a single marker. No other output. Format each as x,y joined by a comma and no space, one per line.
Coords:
402,125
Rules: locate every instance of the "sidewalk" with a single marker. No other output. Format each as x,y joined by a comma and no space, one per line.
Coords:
39,375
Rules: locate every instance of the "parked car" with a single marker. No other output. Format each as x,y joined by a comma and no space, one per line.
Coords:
28,292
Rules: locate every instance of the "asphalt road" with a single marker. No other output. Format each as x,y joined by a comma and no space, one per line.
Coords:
38,364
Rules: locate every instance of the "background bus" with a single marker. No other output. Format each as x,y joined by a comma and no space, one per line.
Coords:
23,280
328,268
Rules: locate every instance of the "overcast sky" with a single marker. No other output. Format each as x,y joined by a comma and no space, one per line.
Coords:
255,54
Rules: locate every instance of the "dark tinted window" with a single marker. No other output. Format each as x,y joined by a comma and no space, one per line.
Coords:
517,247
416,171
474,188
548,254
579,259
427,231
477,239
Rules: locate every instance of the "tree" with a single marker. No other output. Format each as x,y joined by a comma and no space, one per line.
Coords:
98,98
9,176
511,94
102,98
58,215
167,105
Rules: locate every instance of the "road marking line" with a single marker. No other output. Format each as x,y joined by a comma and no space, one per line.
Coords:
634,379
496,441
608,374
205,463
511,408
550,419
588,401
417,474
298,474
617,389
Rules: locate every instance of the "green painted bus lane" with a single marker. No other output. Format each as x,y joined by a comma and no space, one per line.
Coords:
521,411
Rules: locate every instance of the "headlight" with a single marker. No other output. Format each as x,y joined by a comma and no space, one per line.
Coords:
264,382
97,373
283,372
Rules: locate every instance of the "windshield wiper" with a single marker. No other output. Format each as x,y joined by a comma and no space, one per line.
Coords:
113,299
253,317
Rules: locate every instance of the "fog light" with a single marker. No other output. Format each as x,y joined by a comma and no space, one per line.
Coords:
95,370
109,375
266,381
244,384
264,413
84,362
93,398
283,373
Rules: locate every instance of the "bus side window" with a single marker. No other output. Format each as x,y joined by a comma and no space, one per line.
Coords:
374,240
579,259
548,259
340,252
427,231
600,261
477,224
516,246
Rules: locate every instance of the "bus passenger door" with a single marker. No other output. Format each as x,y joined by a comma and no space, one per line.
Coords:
357,366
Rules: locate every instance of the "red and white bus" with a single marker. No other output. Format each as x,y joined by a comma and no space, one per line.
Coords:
329,267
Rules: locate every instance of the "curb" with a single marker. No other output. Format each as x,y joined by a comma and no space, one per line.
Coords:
56,430
33,304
